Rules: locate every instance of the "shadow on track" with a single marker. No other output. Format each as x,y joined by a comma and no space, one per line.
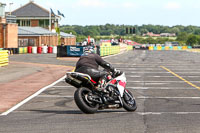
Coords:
59,111
76,111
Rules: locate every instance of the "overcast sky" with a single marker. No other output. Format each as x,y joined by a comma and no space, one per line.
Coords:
128,12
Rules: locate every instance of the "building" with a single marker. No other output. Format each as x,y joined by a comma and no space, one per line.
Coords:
34,21
8,31
67,39
151,34
36,36
33,30
167,34
33,15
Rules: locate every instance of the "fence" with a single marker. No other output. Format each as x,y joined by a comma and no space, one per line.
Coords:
3,57
109,50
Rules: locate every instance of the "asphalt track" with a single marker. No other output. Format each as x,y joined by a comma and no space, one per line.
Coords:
165,84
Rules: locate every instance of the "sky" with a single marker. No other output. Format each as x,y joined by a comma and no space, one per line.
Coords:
127,12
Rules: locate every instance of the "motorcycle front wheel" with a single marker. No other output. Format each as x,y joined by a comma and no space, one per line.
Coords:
81,97
129,102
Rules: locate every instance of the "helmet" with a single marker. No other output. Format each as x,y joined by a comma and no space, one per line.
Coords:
89,50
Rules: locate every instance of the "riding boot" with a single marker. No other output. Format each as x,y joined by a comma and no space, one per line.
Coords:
101,85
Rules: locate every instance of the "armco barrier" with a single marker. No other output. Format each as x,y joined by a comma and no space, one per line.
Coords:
3,58
170,47
167,48
175,48
151,48
179,47
159,48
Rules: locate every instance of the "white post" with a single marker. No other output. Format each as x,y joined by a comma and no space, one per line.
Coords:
50,20
10,7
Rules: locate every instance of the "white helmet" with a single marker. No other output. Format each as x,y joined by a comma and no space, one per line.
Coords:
89,49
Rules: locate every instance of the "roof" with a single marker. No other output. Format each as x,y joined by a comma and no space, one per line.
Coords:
33,31
31,10
2,4
63,34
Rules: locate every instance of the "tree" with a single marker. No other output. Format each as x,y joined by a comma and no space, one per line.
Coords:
175,30
182,36
192,40
197,32
70,31
143,31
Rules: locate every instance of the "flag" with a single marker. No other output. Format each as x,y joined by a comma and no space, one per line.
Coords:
61,14
52,12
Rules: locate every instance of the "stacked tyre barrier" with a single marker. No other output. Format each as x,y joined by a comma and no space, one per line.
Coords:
169,47
3,58
32,50
23,50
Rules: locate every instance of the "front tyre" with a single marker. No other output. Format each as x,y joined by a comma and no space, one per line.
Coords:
129,102
82,101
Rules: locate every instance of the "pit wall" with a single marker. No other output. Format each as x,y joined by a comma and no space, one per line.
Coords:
3,57
170,48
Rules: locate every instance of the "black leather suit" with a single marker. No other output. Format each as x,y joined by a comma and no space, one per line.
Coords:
89,64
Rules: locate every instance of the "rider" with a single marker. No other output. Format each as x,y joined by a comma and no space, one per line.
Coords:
89,63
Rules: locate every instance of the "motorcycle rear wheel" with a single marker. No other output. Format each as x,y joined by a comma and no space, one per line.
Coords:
129,102
81,100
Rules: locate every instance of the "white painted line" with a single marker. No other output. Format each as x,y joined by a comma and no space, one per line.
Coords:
172,64
174,76
144,88
31,97
164,72
160,76
191,76
160,88
141,97
156,69
142,83
164,76
150,72
161,81
160,113
134,76
54,96
149,113
188,72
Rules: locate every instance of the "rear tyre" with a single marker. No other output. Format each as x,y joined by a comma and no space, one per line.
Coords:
82,101
129,102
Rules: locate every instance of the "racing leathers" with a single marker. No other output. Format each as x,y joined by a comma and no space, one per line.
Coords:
89,64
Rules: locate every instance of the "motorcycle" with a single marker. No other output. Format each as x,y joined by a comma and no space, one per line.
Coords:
90,100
